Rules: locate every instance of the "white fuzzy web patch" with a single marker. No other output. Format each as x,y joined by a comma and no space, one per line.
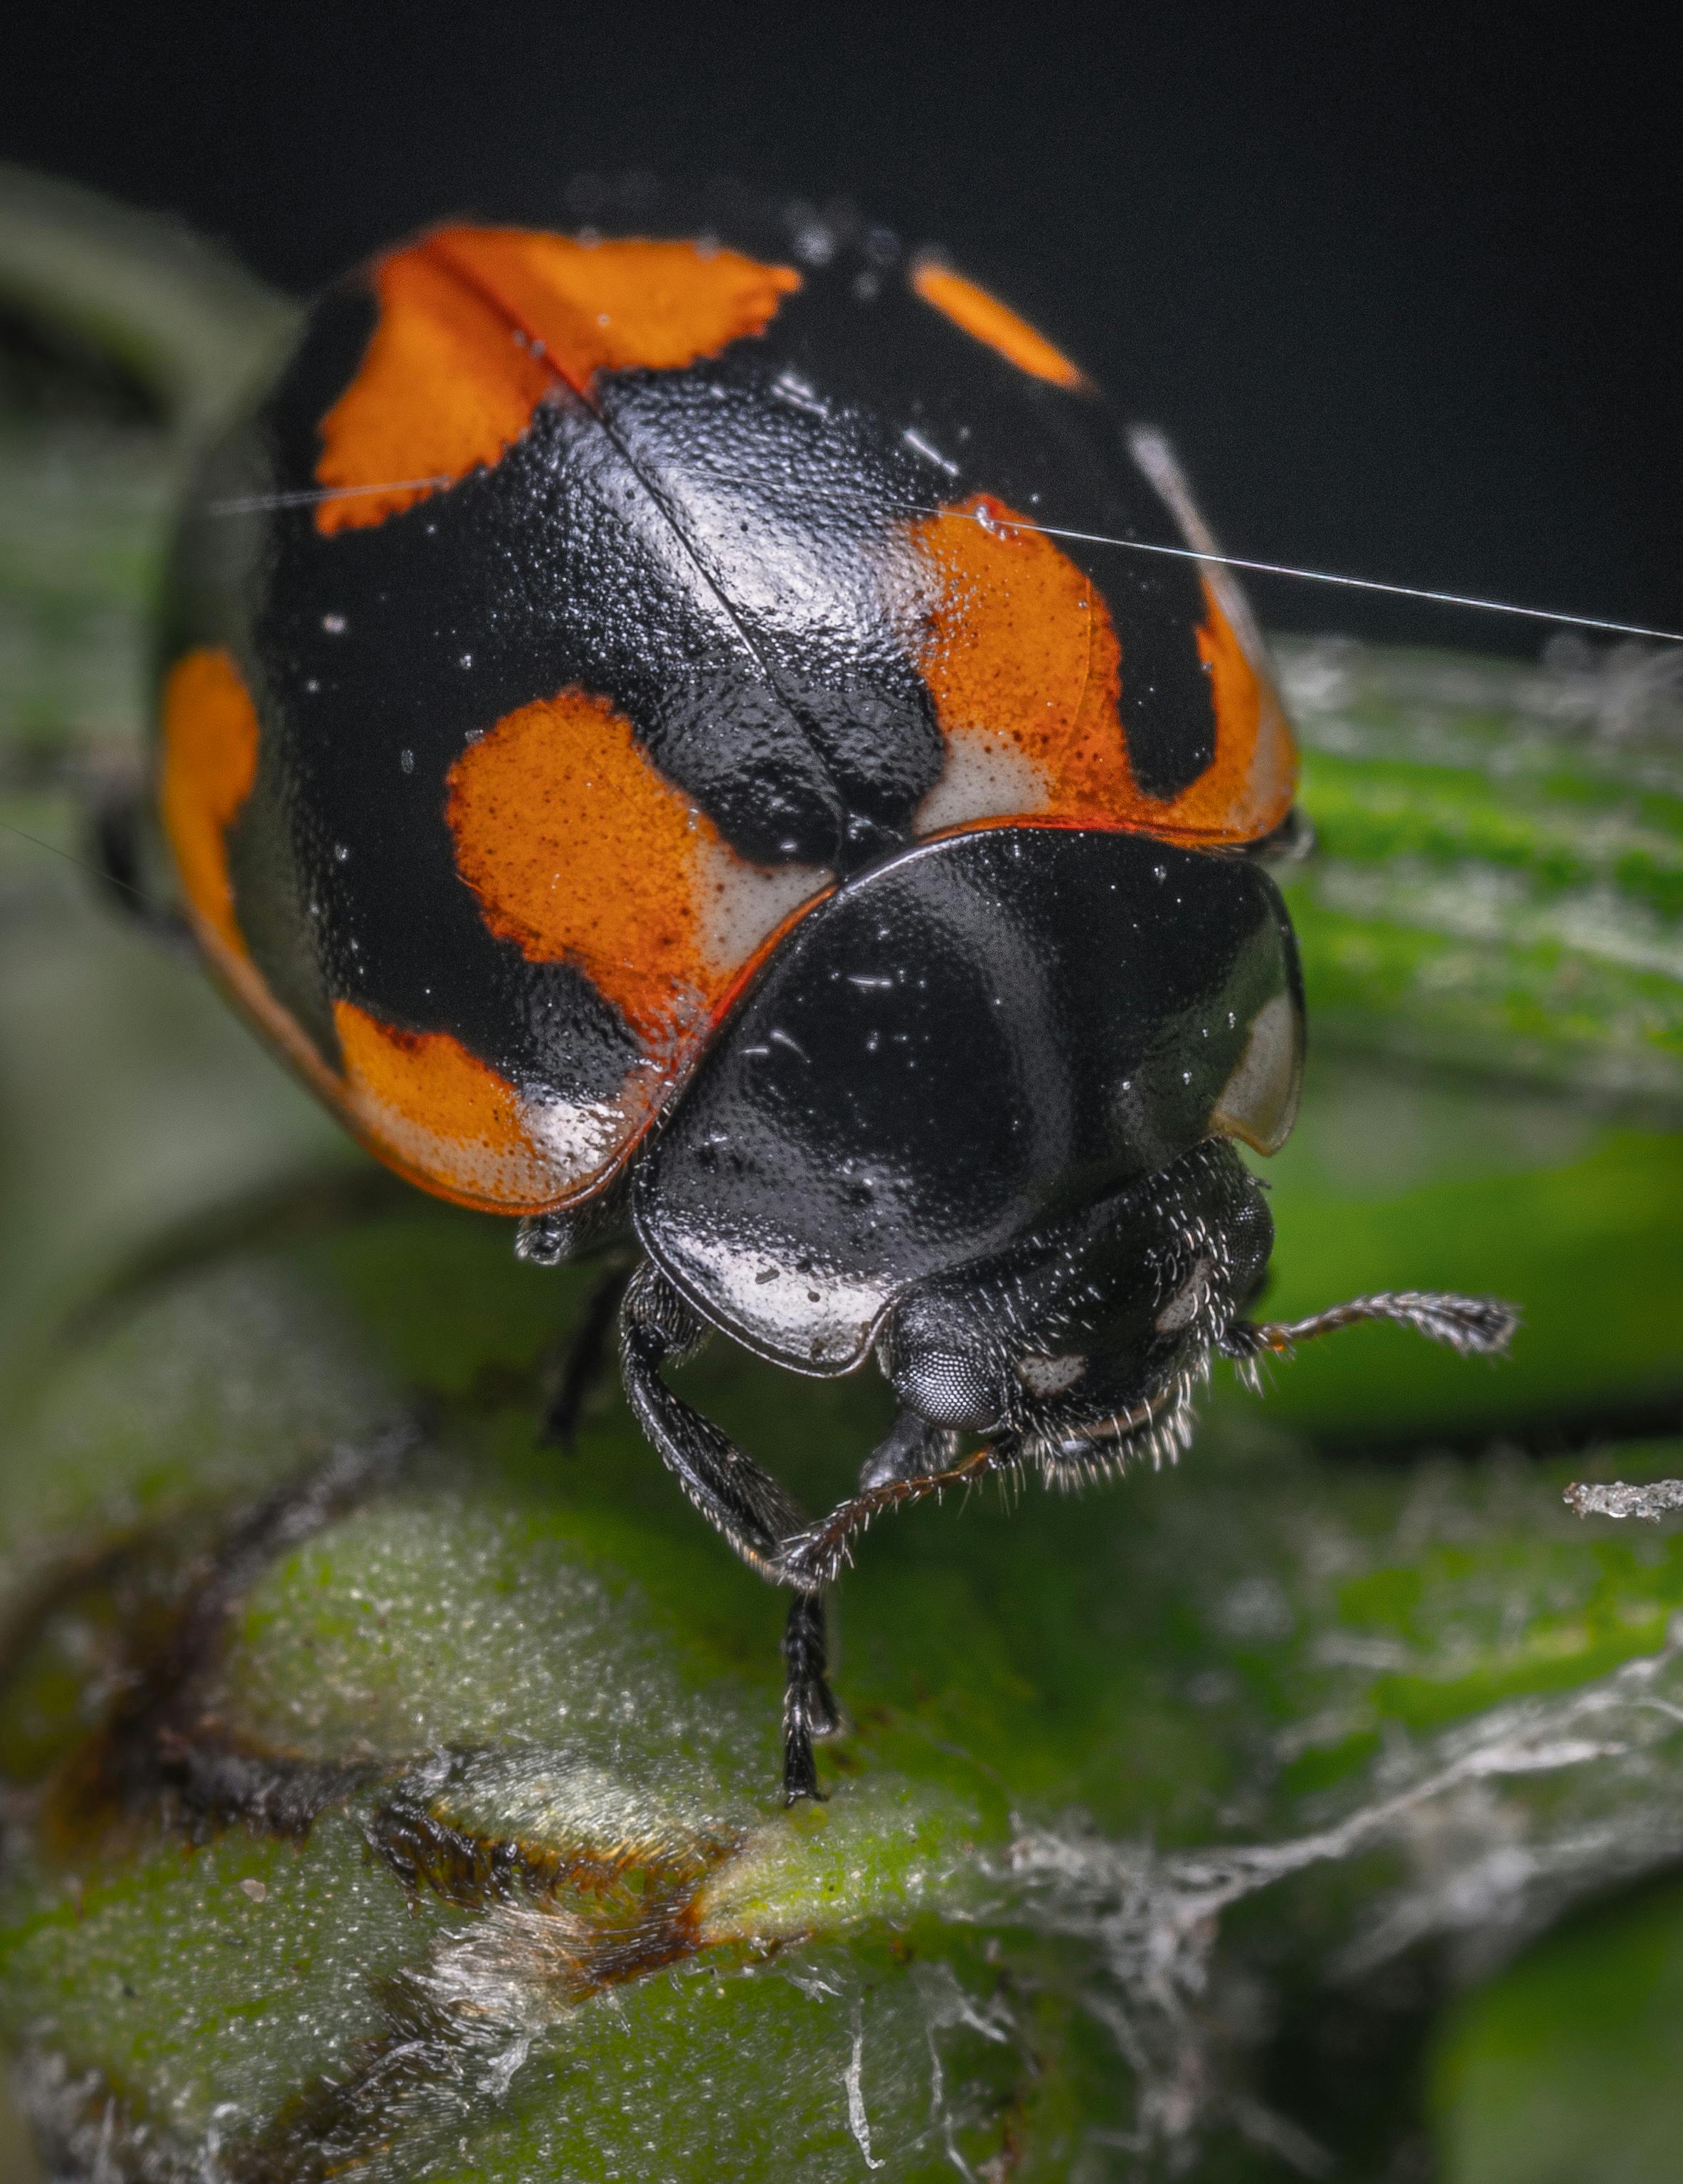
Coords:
1496,1828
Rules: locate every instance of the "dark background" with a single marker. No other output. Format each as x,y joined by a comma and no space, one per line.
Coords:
1401,281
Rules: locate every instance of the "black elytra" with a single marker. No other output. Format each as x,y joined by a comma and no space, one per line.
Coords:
624,739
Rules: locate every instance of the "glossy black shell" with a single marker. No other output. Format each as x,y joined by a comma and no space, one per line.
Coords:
958,1048
714,554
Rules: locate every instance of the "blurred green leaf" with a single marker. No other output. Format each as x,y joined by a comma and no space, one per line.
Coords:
1569,2065
188,324
1498,880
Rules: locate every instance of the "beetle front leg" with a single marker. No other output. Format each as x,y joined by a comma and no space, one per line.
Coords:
739,1500
744,1503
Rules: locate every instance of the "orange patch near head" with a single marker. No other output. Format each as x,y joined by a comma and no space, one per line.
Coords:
985,319
1029,685
579,851
476,325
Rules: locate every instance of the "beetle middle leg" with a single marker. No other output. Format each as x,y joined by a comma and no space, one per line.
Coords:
586,1353
115,833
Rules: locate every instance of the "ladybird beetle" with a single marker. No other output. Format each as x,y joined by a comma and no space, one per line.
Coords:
628,739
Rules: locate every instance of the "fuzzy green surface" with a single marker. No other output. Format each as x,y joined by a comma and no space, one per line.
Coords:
1421,1704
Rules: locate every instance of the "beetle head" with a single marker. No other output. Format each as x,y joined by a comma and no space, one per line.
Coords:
1089,1333
1082,1341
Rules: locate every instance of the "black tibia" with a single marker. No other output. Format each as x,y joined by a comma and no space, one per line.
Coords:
587,1354
1475,1326
809,1710
759,1518
114,837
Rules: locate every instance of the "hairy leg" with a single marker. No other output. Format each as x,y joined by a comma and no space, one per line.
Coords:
758,1517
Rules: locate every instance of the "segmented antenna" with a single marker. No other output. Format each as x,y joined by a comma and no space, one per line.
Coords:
1473,1326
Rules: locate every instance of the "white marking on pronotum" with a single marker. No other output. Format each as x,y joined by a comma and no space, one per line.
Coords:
1258,1103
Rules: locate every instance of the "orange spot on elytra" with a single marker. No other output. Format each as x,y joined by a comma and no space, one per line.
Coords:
419,1101
580,851
209,735
1250,787
615,306
428,1079
441,389
985,319
476,325
1024,669
1030,687
447,1121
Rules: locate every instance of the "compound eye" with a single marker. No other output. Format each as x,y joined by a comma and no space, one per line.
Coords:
947,1390
1043,1376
